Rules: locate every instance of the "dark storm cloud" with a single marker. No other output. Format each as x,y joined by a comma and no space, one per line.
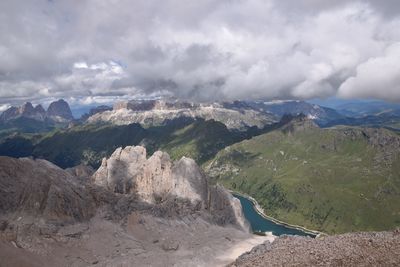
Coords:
99,50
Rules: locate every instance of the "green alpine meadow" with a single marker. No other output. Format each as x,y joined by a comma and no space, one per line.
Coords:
334,180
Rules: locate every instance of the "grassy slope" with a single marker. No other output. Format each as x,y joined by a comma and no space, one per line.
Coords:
88,144
200,140
315,178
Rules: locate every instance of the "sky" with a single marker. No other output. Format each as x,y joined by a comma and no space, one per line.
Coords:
97,51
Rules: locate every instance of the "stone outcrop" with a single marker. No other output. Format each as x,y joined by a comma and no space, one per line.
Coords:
298,123
158,180
59,111
26,110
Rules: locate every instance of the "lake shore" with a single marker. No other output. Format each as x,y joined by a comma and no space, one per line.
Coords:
261,212
232,253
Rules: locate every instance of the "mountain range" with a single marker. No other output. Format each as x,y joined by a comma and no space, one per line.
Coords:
58,111
147,175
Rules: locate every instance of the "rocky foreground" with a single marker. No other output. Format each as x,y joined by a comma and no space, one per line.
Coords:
133,211
354,249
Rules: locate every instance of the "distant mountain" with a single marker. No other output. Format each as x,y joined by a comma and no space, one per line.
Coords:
390,120
29,119
58,111
238,115
26,111
157,112
335,179
321,115
366,108
95,110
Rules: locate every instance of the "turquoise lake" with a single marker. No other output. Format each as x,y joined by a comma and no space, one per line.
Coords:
259,223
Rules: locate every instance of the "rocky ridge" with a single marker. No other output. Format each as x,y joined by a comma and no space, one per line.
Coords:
157,112
158,180
58,111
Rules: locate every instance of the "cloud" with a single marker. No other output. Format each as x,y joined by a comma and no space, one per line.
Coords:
4,107
97,50
378,77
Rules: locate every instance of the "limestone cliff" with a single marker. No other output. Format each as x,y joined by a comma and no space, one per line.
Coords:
158,112
158,179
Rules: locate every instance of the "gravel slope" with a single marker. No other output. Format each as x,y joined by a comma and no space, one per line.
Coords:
353,249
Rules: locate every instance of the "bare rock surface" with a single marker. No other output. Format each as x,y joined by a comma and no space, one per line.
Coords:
59,110
157,112
83,172
140,212
40,188
158,180
353,249
140,240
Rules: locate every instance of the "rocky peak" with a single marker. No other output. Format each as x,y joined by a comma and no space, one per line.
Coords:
57,111
60,111
159,180
297,123
40,109
26,109
10,113
128,171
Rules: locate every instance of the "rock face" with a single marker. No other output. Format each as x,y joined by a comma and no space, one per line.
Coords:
128,171
26,110
95,110
157,112
39,188
150,212
59,111
158,180
9,114
354,249
297,123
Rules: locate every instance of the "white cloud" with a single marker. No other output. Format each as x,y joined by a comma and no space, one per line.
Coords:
378,77
81,65
211,49
4,107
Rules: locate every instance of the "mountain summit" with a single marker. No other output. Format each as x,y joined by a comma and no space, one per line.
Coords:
58,111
